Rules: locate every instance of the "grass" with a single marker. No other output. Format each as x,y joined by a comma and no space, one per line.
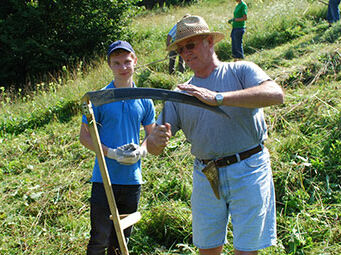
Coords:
45,172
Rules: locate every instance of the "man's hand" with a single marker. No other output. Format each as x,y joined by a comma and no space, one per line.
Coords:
159,138
127,154
204,95
230,21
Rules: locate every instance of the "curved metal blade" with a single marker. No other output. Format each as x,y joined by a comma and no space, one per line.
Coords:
117,94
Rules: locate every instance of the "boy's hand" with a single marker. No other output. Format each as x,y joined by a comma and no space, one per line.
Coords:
230,21
130,153
112,153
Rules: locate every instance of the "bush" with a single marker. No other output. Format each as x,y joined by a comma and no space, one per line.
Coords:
166,224
149,4
41,36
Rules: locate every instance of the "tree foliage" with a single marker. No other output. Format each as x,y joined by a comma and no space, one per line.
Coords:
149,4
40,36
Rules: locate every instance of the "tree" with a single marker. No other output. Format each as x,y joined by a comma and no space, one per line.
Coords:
41,36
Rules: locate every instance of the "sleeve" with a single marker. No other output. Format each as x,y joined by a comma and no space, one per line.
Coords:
149,116
96,109
96,114
251,75
172,32
171,116
244,10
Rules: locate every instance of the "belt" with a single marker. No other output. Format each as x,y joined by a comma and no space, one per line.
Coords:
229,160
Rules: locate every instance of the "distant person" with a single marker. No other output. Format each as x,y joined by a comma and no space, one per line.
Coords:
233,148
238,29
118,126
172,54
333,13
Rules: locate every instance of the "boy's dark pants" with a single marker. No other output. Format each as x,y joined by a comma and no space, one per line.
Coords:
102,234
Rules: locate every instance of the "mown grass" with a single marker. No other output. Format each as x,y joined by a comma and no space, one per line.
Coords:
45,172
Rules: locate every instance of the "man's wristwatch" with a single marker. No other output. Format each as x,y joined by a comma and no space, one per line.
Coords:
219,98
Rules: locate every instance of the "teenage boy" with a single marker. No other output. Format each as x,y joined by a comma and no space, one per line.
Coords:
118,126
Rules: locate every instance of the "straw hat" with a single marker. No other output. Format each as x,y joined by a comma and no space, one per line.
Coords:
192,26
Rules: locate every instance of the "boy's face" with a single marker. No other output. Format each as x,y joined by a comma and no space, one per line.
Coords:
122,64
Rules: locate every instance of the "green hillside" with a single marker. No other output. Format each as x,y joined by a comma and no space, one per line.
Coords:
45,172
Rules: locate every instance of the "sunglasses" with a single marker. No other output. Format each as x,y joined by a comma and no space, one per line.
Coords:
188,46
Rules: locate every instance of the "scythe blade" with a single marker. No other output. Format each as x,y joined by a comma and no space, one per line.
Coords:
106,96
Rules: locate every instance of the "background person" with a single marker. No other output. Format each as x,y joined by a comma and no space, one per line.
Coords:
235,145
172,54
119,130
238,29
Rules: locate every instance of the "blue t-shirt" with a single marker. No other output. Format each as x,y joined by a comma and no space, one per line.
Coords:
119,123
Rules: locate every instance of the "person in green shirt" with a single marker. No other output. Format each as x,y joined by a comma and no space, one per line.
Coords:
238,29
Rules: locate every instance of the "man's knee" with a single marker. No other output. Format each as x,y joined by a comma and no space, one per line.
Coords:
211,251
236,252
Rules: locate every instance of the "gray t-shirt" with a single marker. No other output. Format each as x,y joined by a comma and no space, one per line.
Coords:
212,135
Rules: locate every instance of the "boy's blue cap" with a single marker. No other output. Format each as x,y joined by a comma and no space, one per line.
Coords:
120,45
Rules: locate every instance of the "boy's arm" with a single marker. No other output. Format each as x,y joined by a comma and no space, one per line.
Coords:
85,139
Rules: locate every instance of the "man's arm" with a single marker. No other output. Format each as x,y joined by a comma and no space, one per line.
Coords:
147,130
241,18
266,94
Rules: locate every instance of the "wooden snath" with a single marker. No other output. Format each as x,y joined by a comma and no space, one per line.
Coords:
121,222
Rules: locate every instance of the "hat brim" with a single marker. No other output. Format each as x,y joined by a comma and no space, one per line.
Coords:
217,37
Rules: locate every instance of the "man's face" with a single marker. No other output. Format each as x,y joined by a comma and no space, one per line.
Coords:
194,51
122,64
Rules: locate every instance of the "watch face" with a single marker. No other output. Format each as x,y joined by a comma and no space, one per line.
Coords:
219,98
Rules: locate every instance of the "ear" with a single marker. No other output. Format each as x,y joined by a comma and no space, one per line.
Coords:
208,41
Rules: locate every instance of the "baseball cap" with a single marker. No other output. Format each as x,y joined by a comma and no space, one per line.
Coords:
119,45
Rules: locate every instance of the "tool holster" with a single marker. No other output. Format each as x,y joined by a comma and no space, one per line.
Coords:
212,174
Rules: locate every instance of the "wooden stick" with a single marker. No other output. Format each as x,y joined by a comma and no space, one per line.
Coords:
105,175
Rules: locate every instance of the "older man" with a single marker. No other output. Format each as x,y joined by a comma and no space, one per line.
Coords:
234,146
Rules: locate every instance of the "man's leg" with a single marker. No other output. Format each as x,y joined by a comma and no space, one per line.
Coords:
333,13
237,43
172,57
253,220
209,214
212,251
218,250
236,252
181,66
